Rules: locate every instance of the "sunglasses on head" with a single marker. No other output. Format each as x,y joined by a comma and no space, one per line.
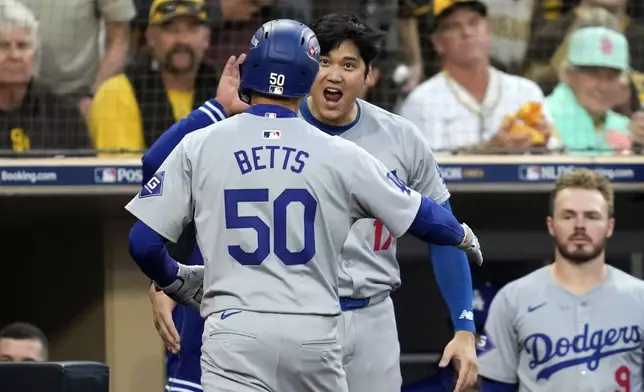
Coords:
172,6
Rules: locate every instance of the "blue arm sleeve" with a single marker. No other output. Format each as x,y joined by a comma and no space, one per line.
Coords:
207,114
488,385
452,272
147,248
434,224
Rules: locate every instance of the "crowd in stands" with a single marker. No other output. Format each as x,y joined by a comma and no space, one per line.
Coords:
107,77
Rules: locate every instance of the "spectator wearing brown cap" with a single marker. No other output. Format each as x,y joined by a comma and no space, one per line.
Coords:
132,109
470,105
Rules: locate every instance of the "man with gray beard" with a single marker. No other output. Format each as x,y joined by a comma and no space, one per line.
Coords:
132,109
575,325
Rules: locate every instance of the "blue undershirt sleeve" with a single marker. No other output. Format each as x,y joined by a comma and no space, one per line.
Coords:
147,248
452,272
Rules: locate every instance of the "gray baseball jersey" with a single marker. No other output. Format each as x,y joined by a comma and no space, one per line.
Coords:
545,338
273,200
369,264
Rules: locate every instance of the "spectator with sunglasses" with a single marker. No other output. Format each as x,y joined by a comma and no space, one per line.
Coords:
132,109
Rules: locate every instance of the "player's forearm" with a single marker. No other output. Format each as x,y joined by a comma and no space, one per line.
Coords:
488,385
147,248
209,113
452,272
436,225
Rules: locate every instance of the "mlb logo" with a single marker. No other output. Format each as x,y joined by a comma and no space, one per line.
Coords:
272,134
530,173
105,175
277,90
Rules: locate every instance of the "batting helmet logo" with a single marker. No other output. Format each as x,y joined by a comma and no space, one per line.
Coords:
280,50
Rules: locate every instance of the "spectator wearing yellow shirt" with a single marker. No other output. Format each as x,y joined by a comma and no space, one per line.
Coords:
132,109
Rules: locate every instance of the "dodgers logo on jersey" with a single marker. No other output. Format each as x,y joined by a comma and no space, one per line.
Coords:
399,184
154,187
440,173
588,348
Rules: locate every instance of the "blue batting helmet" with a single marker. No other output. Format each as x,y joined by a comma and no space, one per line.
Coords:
282,61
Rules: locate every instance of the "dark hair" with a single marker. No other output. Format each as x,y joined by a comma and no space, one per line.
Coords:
24,331
334,29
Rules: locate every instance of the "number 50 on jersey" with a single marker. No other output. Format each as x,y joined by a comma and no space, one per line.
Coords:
234,197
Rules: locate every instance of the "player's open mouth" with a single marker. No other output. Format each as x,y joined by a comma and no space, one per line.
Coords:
332,97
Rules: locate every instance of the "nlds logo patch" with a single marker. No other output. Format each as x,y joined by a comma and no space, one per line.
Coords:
272,134
154,187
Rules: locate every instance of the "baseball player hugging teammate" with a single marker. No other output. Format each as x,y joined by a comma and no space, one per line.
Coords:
575,325
369,270
275,202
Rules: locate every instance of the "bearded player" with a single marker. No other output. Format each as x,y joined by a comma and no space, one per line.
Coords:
368,328
575,325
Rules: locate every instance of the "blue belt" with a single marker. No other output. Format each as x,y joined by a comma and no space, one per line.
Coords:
347,303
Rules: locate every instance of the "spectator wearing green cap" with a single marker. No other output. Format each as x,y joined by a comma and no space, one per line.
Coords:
581,103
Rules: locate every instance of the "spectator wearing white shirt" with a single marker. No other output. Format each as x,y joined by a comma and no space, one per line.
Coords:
470,105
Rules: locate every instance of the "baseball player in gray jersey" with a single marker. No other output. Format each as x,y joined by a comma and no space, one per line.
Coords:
575,325
369,268
273,200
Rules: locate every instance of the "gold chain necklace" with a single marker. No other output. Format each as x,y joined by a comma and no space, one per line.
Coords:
483,110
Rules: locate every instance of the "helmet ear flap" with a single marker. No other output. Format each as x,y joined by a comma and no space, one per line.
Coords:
244,96
242,93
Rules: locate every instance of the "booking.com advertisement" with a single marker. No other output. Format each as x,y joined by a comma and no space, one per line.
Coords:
94,175
70,176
